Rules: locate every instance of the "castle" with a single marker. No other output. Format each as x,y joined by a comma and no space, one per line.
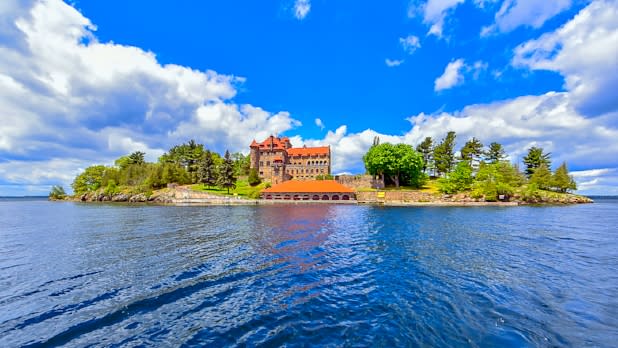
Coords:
277,161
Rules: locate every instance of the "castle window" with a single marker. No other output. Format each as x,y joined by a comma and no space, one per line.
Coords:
261,163
267,163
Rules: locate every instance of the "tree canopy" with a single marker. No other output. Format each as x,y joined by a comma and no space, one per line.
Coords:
443,154
535,158
399,163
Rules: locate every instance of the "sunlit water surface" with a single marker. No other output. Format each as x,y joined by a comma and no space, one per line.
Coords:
317,275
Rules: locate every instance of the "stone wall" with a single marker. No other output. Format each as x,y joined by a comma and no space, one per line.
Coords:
359,181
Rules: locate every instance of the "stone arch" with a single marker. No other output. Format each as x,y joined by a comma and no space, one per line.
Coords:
335,197
325,198
316,197
345,198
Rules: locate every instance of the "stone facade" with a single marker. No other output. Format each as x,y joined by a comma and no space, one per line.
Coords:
277,161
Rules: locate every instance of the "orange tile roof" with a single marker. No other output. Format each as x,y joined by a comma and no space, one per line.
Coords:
309,151
277,143
309,186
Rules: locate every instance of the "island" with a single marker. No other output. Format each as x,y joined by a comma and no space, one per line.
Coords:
275,172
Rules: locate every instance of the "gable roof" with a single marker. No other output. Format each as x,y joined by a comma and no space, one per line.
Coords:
309,151
309,186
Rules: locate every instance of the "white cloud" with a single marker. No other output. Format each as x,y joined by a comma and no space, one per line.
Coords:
549,121
319,123
585,52
302,8
65,95
393,63
451,77
434,14
410,43
533,13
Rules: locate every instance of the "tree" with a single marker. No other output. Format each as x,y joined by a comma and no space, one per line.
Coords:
186,155
443,155
534,159
226,173
207,170
242,164
57,192
254,178
137,157
471,151
399,163
494,179
495,153
562,181
541,177
458,180
91,179
425,148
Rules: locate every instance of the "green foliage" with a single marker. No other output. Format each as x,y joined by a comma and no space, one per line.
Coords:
267,185
494,179
400,163
57,192
443,154
111,187
495,153
187,156
562,181
542,177
242,164
324,177
459,180
425,148
91,179
254,178
227,179
535,158
137,157
207,171
531,193
472,151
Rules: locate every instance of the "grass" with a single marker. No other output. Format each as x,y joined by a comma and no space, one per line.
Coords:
243,189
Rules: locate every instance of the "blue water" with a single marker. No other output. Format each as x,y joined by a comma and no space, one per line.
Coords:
326,275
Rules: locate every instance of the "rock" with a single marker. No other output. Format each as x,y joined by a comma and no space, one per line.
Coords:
120,197
138,198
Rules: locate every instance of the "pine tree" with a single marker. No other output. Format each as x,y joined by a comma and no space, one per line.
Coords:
562,181
495,153
535,158
443,155
471,152
254,178
207,171
226,173
542,177
425,148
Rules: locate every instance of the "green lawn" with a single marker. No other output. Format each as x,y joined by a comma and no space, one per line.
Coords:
429,187
243,189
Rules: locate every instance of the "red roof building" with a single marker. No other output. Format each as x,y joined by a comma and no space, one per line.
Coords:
277,161
314,190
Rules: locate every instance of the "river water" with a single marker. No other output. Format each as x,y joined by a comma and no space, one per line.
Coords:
76,275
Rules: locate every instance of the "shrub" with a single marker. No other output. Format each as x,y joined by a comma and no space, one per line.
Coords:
254,178
57,192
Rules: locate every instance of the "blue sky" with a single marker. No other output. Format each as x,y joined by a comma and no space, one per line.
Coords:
84,82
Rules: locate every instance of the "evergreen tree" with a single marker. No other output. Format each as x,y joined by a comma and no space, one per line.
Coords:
443,155
471,152
541,177
226,173
425,148
495,153
254,178
186,155
535,158
561,179
57,192
207,171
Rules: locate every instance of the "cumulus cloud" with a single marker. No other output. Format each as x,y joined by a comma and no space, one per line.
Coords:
319,123
302,8
410,43
434,13
585,52
393,63
65,95
451,77
533,13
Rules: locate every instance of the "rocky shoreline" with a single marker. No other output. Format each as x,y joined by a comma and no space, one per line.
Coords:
185,196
